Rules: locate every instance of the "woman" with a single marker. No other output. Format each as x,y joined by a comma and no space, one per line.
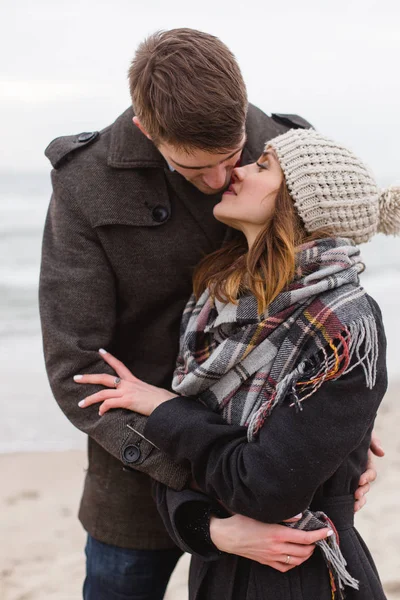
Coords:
286,352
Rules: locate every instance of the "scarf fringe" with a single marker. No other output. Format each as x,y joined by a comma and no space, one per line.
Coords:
361,333
336,563
364,331
334,559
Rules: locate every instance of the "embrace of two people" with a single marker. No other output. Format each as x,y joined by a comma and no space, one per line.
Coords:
213,251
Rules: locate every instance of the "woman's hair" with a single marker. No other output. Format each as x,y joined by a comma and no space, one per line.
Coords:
267,267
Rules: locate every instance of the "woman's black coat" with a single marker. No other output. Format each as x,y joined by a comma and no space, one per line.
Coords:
300,459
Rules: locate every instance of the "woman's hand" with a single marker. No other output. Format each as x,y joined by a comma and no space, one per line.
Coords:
277,546
124,391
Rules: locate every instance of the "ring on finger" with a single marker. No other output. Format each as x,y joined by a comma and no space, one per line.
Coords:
117,381
287,561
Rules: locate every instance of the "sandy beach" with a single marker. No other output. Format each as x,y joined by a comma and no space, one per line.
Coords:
41,554
64,73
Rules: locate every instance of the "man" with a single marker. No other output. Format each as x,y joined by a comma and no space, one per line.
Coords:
130,216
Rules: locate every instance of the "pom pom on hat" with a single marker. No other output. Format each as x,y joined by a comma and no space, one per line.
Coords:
389,211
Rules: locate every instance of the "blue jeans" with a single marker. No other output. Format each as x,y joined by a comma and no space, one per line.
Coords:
114,573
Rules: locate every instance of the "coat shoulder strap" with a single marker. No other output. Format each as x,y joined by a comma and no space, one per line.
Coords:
62,148
291,121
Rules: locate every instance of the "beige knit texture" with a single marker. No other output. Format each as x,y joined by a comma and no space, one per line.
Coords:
330,186
389,211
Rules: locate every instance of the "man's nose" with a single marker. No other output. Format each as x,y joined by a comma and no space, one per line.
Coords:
215,178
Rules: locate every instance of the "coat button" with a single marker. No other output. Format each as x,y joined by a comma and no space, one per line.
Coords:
131,454
86,136
160,214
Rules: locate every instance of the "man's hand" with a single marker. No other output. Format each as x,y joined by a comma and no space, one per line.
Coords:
369,475
277,546
376,446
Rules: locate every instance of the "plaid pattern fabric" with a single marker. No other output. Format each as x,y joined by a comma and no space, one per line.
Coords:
242,364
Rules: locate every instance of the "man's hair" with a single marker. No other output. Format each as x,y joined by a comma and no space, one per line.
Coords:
187,90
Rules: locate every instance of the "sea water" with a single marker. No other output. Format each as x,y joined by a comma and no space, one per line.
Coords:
30,419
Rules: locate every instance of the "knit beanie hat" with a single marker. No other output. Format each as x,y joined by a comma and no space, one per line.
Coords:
332,188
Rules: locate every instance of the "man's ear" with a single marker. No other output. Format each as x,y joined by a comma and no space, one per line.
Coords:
140,126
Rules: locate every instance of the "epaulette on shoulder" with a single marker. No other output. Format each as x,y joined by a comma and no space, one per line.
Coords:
291,121
61,149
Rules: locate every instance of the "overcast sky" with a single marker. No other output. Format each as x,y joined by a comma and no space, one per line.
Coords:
63,67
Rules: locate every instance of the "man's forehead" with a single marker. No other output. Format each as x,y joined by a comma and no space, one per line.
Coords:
200,159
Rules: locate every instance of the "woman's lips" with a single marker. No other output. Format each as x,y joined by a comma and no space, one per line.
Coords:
230,190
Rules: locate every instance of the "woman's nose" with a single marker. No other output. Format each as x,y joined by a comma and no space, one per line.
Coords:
238,174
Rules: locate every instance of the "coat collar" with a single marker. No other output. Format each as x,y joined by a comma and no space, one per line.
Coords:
130,149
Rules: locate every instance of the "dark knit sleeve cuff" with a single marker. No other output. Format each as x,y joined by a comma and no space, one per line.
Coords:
192,521
186,516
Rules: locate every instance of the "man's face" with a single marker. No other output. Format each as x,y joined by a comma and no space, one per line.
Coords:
210,172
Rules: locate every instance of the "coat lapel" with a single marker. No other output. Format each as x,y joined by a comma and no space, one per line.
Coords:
200,206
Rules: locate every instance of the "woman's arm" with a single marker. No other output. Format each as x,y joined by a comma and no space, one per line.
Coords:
199,526
276,476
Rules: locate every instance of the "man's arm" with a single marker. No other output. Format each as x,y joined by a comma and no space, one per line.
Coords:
78,313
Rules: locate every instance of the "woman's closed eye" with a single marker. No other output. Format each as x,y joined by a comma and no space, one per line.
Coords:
263,166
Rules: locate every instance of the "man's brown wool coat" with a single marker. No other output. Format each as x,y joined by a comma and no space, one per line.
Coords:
122,236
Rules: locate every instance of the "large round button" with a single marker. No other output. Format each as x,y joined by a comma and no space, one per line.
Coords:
132,454
160,214
86,136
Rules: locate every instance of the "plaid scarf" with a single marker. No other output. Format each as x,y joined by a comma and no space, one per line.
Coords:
243,364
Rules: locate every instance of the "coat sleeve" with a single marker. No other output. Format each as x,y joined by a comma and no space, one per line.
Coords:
78,300
276,476
186,516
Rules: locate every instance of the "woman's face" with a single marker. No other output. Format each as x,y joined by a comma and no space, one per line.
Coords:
249,201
